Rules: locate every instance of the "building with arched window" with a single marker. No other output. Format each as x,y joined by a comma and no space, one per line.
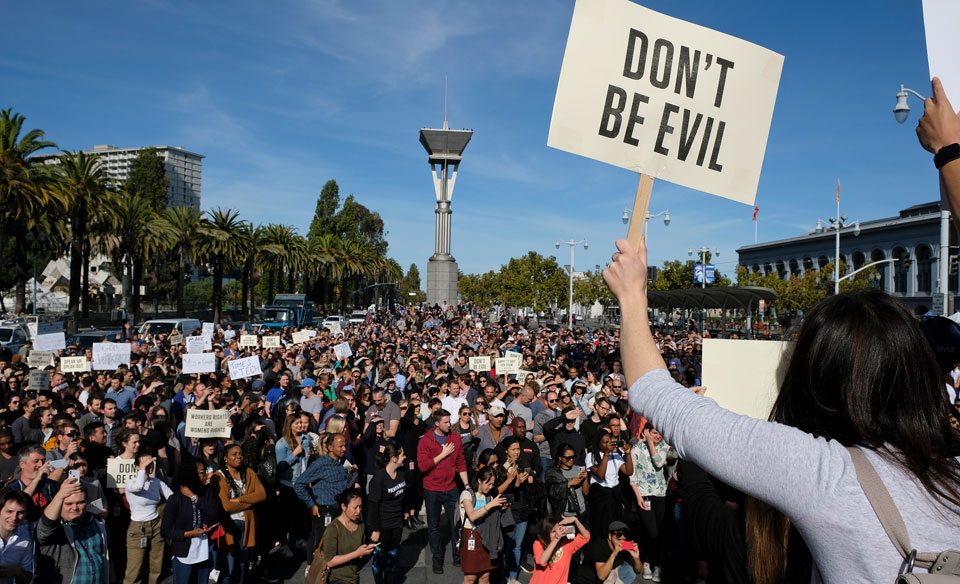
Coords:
914,235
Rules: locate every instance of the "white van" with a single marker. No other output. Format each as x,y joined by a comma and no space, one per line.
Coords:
186,326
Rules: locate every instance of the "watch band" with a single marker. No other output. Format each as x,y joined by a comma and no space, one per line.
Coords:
946,154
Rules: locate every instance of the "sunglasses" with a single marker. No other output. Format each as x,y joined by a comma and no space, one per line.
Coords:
571,457
70,434
480,403
564,395
551,401
619,534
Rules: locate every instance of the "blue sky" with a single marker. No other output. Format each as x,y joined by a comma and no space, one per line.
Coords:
282,96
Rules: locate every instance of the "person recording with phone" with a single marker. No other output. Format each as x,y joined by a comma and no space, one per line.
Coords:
144,494
482,539
567,485
555,547
606,557
606,463
518,479
189,518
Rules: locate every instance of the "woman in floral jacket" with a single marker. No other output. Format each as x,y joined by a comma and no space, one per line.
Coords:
649,484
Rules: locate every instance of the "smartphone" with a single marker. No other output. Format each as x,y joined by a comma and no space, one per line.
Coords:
62,463
627,545
74,474
569,529
509,499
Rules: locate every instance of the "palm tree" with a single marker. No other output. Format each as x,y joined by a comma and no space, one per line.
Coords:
82,182
220,245
138,231
183,225
324,251
254,253
282,238
23,189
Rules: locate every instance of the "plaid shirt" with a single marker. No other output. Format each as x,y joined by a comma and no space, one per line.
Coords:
90,550
329,479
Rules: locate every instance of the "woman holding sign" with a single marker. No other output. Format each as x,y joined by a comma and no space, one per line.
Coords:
860,375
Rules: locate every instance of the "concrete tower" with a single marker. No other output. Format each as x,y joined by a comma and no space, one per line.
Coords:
444,151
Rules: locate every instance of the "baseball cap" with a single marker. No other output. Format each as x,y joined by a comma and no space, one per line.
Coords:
495,411
618,526
308,382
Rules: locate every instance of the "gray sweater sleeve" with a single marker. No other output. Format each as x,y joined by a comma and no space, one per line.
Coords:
781,465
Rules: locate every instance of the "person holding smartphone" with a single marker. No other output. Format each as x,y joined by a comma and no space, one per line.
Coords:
606,463
144,494
554,549
188,519
606,557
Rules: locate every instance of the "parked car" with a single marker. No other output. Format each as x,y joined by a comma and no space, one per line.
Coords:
186,326
86,339
358,317
13,336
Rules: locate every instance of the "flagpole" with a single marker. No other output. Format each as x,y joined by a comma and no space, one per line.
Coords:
755,231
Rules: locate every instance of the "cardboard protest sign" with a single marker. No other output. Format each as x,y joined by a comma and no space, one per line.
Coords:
248,340
207,424
109,356
665,98
119,471
515,357
312,333
50,342
74,364
334,328
271,342
199,363
479,363
176,339
522,376
343,351
939,25
743,376
39,380
229,334
506,366
207,329
246,367
300,337
40,359
198,344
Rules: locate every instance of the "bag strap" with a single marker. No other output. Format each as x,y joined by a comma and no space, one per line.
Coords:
886,510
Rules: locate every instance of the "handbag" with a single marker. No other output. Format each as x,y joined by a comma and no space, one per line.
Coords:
319,572
943,568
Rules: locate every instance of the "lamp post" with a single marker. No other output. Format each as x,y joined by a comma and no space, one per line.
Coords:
666,218
572,244
703,250
900,112
838,224
36,240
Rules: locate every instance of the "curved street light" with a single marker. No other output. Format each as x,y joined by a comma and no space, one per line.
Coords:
902,110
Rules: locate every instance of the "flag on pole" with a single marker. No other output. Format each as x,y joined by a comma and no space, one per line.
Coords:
756,210
838,190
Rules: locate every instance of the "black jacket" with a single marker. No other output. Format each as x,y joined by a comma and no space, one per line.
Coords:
178,518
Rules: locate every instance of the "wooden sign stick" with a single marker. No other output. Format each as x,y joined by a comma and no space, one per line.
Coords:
638,218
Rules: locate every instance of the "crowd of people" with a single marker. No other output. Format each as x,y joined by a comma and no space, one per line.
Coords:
345,457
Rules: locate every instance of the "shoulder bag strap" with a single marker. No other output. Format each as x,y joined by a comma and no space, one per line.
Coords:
886,510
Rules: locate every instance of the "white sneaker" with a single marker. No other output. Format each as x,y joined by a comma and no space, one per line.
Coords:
656,574
647,574
214,575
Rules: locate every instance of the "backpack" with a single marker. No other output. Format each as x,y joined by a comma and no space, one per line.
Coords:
458,521
319,573
944,568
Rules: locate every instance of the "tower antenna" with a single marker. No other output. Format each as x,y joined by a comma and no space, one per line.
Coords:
445,127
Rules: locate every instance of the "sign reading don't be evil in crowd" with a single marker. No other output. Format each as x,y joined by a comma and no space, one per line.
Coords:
665,98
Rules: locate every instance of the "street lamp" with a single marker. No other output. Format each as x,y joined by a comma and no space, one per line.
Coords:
902,110
838,225
666,219
36,241
572,244
703,250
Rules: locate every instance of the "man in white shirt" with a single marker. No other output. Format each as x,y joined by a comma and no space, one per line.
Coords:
16,541
454,400
144,494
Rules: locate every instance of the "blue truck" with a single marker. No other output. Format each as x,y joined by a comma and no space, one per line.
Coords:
288,310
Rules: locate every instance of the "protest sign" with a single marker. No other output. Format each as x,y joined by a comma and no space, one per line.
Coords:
271,342
207,424
40,359
199,363
198,344
176,339
479,363
312,333
343,350
50,342
109,356
665,98
74,364
515,357
207,330
940,19
505,366
119,471
300,337
334,328
246,367
248,340
39,380
743,376
522,376
48,328
229,334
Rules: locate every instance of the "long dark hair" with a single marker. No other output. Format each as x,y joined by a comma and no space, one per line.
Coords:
235,490
861,373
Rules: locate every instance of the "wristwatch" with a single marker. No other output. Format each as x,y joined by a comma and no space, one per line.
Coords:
946,154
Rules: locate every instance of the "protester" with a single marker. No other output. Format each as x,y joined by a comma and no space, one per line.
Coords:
144,494
17,547
189,517
72,543
440,459
385,497
480,548
554,549
343,545
239,490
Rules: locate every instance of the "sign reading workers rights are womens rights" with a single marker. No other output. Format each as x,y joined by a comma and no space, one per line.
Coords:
665,98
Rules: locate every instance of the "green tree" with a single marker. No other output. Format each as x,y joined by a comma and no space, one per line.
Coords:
138,231
593,289
220,246
148,178
327,204
483,290
24,190
677,274
183,226
355,222
801,293
532,280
